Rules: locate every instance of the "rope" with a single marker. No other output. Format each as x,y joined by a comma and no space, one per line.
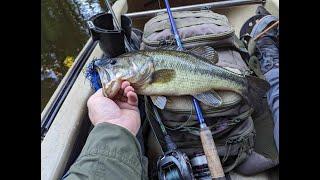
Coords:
93,76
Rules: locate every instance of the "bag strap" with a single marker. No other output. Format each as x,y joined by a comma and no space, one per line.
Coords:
234,120
254,64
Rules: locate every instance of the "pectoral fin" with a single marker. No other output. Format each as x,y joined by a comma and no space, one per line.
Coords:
210,98
159,101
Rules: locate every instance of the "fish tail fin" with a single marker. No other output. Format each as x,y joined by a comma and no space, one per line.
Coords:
256,90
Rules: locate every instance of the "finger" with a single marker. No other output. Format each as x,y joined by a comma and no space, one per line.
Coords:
119,95
96,95
120,99
125,84
127,89
123,99
124,105
132,98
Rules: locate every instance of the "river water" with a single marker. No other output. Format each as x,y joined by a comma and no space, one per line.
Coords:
63,34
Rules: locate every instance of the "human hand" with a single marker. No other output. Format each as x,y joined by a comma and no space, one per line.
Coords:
122,110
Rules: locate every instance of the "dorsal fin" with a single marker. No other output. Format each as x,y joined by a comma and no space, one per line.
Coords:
206,52
172,48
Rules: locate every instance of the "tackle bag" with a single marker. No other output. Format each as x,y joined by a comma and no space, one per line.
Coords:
196,28
231,123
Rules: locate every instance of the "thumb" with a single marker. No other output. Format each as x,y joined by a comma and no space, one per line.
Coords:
93,97
98,93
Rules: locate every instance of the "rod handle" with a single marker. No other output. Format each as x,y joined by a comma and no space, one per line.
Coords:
211,153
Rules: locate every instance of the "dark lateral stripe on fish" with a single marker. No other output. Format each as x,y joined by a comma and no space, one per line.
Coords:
219,72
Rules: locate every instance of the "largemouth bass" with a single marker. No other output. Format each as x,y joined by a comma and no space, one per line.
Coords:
176,73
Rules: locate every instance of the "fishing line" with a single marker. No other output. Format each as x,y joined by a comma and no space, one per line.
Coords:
159,4
148,113
183,125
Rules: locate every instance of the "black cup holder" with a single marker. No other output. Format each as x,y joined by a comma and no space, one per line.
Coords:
111,40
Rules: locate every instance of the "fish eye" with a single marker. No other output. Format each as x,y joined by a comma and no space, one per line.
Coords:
113,62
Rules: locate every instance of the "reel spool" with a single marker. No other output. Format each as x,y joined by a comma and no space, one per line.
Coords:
200,166
174,165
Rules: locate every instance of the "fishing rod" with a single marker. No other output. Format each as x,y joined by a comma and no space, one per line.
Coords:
208,144
173,164
118,26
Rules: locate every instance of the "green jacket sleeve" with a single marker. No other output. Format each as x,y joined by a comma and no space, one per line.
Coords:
110,152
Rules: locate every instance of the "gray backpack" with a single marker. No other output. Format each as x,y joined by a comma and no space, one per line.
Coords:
231,124
191,25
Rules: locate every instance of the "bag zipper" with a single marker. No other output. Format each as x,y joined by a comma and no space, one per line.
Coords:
236,139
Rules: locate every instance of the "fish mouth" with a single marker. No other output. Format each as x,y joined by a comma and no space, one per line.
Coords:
105,74
110,83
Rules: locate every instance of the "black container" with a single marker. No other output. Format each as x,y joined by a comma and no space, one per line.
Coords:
111,40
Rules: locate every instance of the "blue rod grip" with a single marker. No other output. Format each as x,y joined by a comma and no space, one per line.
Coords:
198,110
